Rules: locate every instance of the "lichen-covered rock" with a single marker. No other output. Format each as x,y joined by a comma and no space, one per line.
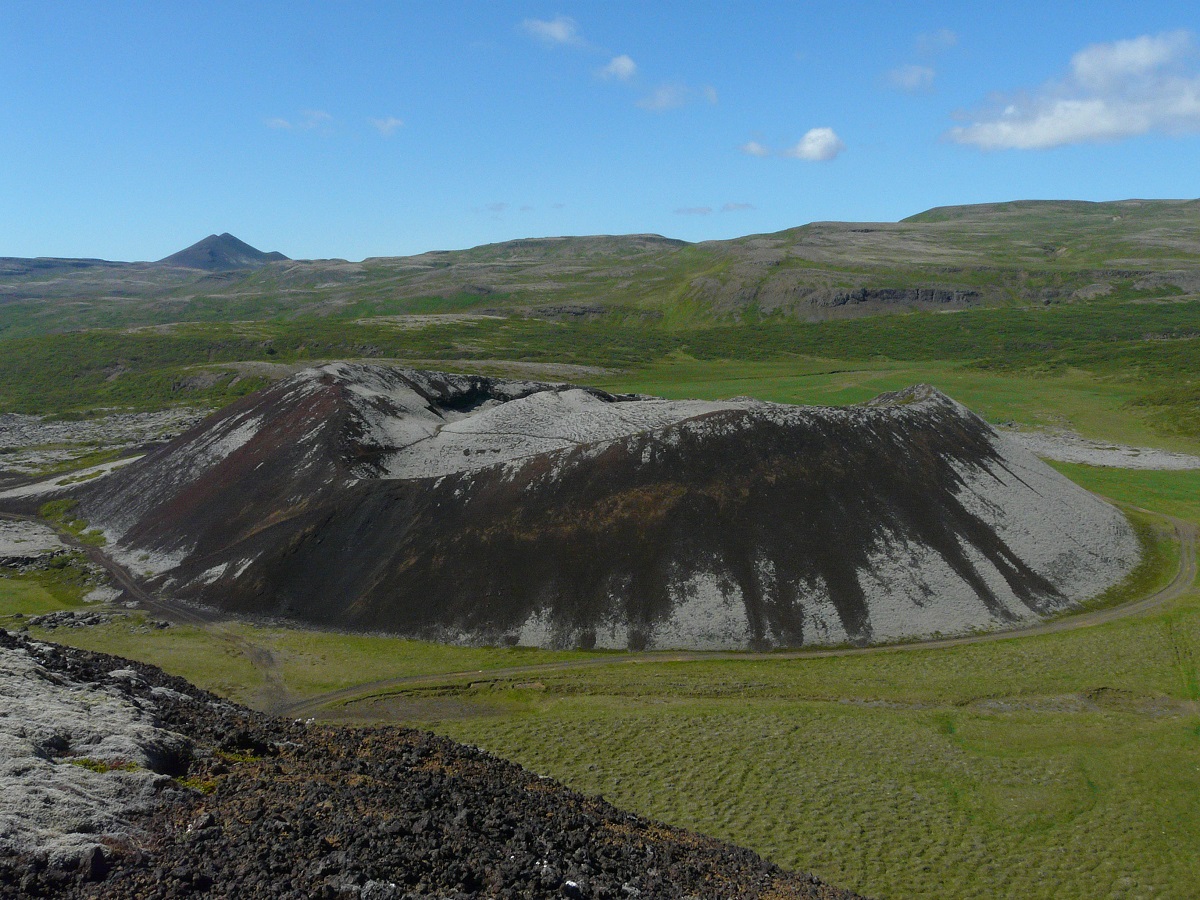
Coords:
471,509
78,758
27,543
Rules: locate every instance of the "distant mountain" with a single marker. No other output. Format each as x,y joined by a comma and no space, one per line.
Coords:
17,266
221,253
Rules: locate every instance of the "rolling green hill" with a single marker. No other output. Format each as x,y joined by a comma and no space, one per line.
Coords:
1029,252
1101,300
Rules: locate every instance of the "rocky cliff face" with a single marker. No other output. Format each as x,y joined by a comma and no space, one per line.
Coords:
470,509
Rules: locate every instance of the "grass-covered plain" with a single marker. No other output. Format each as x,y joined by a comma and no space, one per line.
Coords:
25,596
1095,406
229,659
1057,798
1123,370
61,585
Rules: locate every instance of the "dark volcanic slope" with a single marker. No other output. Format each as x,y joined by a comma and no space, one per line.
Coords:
469,509
287,810
221,253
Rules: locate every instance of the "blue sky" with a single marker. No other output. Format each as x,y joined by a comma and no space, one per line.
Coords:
128,131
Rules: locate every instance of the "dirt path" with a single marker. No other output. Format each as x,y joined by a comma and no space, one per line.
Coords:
275,692
1184,578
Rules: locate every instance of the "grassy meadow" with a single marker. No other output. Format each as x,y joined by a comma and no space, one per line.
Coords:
1103,408
1120,370
221,658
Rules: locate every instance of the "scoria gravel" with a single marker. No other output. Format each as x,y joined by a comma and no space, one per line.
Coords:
262,807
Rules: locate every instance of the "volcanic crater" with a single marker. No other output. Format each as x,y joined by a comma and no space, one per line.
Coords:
470,509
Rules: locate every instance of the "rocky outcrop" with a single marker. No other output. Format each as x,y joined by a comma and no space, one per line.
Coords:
24,543
58,736
30,445
758,279
926,297
252,807
1185,281
470,509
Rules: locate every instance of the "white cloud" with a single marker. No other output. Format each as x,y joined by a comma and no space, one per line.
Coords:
911,79
387,125
1053,124
754,148
1114,91
736,207
1103,65
559,30
310,120
315,118
694,211
664,97
673,96
621,68
817,145
936,41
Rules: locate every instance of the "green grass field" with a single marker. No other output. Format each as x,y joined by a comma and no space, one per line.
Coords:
1097,407
219,658
1121,370
22,596
61,585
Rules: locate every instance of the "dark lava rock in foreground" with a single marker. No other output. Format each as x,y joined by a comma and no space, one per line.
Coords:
476,510
261,807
